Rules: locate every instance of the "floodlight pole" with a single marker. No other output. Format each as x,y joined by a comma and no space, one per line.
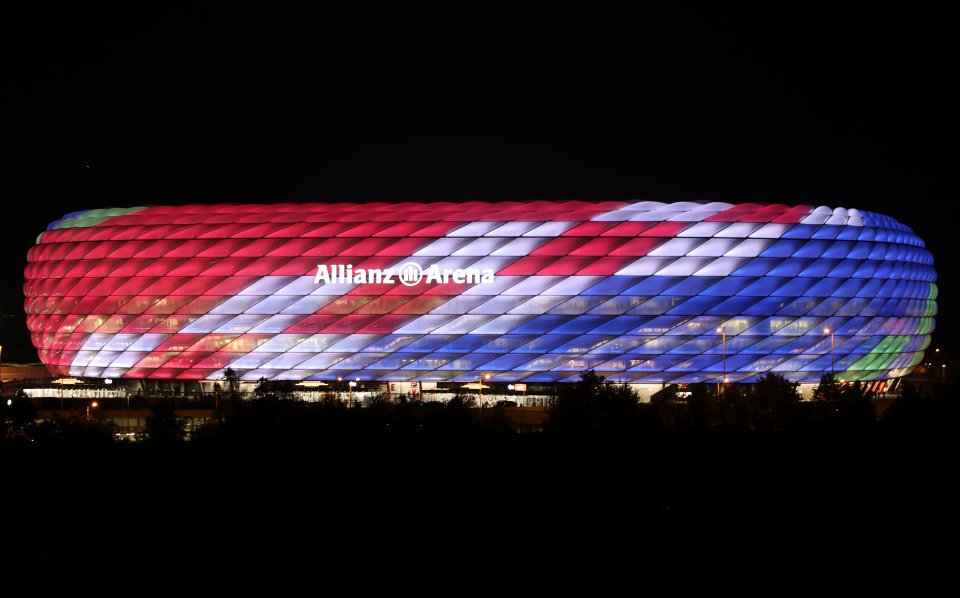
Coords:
720,390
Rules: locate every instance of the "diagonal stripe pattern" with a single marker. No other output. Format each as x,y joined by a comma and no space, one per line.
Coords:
638,291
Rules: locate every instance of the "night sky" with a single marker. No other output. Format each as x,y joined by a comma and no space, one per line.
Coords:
100,109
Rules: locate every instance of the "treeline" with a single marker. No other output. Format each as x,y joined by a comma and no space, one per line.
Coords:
745,481
771,404
592,406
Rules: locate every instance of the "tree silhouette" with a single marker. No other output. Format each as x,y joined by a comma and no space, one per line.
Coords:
18,417
163,425
230,406
700,404
232,379
594,403
826,390
845,404
774,401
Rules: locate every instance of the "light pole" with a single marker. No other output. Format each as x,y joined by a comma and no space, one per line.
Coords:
480,386
830,332
723,331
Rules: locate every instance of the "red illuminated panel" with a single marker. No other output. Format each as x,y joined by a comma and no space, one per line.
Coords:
527,266
599,247
566,266
607,266
590,229
628,229
559,246
637,247
665,229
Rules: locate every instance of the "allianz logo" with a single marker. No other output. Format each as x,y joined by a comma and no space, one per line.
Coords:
408,274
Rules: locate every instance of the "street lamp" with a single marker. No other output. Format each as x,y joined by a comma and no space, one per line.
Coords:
94,405
830,332
480,386
350,386
723,331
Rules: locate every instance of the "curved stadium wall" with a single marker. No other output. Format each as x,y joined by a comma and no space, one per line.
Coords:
521,291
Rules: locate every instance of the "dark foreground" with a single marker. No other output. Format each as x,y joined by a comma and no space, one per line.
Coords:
703,504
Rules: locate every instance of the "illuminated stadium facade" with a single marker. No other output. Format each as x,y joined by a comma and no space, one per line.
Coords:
519,291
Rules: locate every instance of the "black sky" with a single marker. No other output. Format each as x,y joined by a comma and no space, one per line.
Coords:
852,109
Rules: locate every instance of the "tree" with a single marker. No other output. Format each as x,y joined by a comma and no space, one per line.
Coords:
735,408
572,409
847,404
274,389
922,414
232,379
262,389
911,411
594,403
826,390
163,425
774,401
231,406
18,416
456,412
699,403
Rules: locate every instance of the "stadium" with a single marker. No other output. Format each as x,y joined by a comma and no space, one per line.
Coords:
537,292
